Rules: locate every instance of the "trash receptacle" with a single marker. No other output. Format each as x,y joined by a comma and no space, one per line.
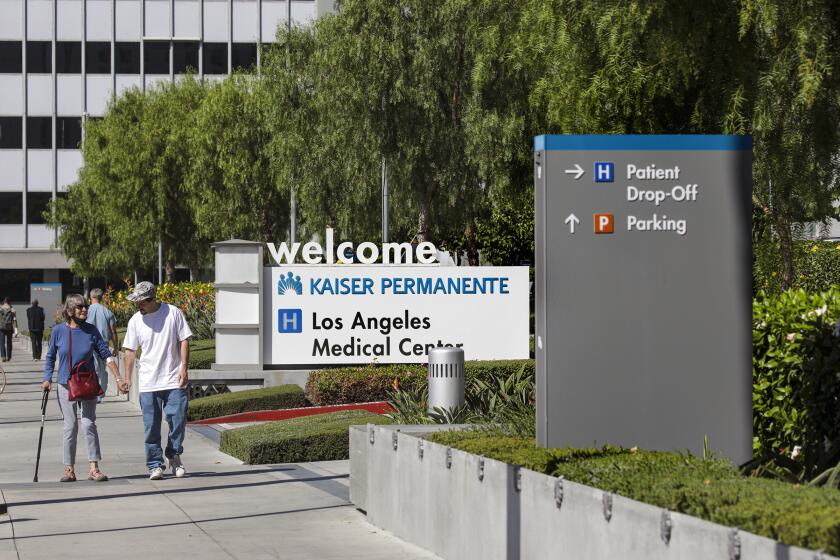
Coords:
446,377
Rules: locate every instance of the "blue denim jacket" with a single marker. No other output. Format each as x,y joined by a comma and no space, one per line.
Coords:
86,341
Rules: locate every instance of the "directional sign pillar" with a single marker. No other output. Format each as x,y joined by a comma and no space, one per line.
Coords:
643,292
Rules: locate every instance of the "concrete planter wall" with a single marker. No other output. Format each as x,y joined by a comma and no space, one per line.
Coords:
462,506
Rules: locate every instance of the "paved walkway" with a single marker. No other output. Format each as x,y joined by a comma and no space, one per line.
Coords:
222,509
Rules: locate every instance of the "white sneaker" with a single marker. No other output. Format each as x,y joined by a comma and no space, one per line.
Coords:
156,473
177,466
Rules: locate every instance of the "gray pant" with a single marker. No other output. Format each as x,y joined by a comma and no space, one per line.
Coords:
71,426
101,372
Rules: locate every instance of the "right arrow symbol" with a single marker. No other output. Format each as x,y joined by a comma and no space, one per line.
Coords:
572,221
577,172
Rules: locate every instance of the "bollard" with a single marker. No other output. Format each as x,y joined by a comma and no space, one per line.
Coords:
446,378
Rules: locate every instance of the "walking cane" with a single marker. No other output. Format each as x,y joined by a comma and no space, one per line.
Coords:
44,399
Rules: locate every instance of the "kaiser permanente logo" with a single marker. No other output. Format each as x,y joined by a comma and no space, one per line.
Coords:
289,285
289,320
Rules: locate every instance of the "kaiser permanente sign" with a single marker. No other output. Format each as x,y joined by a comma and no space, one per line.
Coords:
327,313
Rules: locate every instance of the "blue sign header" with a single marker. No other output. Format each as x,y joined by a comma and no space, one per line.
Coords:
641,142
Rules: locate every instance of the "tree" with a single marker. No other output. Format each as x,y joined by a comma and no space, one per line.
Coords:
233,192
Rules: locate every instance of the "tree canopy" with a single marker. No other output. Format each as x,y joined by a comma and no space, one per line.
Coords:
450,95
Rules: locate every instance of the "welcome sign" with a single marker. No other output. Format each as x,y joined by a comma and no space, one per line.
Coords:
352,314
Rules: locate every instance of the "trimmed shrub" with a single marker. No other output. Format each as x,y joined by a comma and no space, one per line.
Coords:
323,437
375,382
361,384
202,353
710,489
284,396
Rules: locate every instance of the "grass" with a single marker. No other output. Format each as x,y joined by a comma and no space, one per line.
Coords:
711,489
323,437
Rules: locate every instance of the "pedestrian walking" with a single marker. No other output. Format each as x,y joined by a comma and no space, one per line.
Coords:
8,328
77,341
105,322
35,318
161,332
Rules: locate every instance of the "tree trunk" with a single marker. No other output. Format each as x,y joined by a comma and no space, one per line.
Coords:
423,223
472,246
785,251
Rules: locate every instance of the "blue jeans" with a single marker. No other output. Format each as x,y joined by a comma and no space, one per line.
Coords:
154,404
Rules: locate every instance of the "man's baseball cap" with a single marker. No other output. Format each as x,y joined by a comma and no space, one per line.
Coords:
143,290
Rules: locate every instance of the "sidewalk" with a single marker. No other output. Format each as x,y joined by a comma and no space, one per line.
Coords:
222,509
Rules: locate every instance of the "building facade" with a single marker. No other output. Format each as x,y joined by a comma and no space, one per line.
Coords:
61,61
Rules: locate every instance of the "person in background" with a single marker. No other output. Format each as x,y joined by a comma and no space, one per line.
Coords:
85,341
35,317
105,322
161,332
8,328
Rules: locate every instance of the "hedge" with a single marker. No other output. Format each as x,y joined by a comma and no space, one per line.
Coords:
202,353
361,384
373,383
711,489
323,437
283,396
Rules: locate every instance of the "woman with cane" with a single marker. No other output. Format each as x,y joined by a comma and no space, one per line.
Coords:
73,344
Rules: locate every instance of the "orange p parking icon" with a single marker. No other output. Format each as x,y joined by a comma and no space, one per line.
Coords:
604,223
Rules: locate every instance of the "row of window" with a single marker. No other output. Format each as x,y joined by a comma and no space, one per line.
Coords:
68,133
11,207
68,57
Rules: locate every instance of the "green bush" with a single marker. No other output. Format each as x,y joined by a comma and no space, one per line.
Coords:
323,437
375,382
816,266
796,359
284,396
710,489
361,384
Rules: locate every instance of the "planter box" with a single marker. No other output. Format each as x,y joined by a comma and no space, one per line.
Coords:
462,506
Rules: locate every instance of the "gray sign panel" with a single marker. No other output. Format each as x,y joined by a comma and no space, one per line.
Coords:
643,292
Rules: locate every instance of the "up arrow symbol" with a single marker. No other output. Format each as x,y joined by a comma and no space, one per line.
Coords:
572,221
577,172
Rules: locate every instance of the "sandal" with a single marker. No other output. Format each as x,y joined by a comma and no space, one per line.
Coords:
97,476
69,476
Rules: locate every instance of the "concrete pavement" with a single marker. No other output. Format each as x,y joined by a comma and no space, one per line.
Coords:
222,509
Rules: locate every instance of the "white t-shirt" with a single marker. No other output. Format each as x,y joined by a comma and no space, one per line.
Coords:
159,336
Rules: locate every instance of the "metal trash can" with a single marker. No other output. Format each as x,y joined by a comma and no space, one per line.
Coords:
446,377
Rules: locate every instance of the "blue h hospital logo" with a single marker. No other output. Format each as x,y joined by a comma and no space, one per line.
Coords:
604,171
289,320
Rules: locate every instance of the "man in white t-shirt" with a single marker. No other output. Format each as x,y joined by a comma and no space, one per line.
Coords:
161,332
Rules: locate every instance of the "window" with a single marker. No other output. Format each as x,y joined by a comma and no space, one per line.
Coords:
36,204
11,57
157,58
184,57
98,58
11,133
11,208
68,57
38,57
127,58
68,132
39,132
244,56
215,58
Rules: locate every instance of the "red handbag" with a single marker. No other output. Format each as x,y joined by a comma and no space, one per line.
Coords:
83,383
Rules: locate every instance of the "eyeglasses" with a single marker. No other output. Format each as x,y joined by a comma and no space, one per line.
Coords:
82,306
